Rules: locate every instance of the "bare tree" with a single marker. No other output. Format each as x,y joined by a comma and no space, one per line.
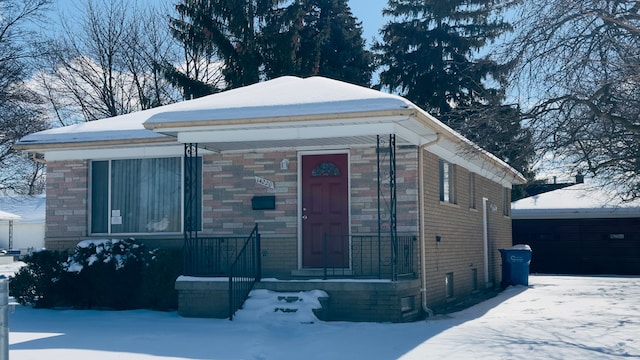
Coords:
20,110
104,66
578,66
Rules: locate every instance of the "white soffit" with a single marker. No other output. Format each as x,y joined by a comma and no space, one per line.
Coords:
284,132
472,161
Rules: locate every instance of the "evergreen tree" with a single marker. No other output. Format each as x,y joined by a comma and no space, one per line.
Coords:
227,28
263,39
316,37
429,54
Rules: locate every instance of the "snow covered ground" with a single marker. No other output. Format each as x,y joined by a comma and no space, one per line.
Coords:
556,317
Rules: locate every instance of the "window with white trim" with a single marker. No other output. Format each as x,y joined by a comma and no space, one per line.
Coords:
447,182
138,196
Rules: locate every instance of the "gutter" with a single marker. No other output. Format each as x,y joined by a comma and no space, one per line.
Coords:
423,240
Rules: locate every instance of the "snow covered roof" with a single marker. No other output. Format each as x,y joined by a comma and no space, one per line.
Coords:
7,216
286,96
577,201
126,127
27,209
286,112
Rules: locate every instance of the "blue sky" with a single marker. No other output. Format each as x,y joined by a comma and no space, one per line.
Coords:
369,12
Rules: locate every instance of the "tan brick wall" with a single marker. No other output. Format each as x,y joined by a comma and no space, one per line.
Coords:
66,213
207,299
364,190
460,229
229,184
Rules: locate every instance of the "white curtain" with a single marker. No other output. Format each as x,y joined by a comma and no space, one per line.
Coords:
145,195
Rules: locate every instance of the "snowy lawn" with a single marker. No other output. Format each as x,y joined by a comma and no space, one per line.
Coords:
556,317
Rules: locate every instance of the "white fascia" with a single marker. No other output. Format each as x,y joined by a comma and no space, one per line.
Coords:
106,153
472,161
249,134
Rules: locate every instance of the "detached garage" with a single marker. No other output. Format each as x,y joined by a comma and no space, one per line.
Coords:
22,225
579,229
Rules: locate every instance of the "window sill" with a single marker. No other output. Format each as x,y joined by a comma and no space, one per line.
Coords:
446,203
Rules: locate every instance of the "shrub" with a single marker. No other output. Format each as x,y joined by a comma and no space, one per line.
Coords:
100,274
158,280
40,283
106,273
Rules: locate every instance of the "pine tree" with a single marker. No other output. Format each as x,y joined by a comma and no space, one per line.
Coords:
263,39
227,28
320,37
429,54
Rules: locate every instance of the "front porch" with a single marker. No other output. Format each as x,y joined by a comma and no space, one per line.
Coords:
380,284
370,257
348,299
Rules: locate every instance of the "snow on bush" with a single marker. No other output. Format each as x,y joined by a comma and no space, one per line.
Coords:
100,274
118,252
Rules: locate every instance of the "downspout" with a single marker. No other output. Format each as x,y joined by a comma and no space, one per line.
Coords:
485,240
423,241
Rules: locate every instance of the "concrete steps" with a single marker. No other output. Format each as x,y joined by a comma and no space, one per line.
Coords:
282,307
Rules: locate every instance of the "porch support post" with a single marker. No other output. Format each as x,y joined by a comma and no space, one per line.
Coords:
10,234
379,211
392,211
391,204
191,197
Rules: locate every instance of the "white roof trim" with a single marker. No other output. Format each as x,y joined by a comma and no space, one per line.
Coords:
605,213
107,153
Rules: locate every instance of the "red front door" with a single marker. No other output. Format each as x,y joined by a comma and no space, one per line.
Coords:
325,211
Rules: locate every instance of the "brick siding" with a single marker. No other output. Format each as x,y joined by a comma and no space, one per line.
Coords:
460,229
229,183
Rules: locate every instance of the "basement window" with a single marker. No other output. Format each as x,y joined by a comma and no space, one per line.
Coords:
406,303
448,282
474,279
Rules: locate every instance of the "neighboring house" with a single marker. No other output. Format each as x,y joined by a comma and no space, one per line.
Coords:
580,229
396,211
25,231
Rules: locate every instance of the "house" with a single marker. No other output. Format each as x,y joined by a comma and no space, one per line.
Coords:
22,221
580,229
344,189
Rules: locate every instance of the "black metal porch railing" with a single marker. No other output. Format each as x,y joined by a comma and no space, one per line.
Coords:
211,256
244,272
373,257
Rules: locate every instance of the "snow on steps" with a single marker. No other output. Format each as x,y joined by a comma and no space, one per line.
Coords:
281,307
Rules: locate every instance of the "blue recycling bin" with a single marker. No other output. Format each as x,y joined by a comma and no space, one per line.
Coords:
515,265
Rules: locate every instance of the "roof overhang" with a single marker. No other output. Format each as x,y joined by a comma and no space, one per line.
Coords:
7,216
284,113
410,126
594,213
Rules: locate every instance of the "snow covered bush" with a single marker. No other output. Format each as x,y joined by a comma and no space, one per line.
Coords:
100,274
40,283
106,273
